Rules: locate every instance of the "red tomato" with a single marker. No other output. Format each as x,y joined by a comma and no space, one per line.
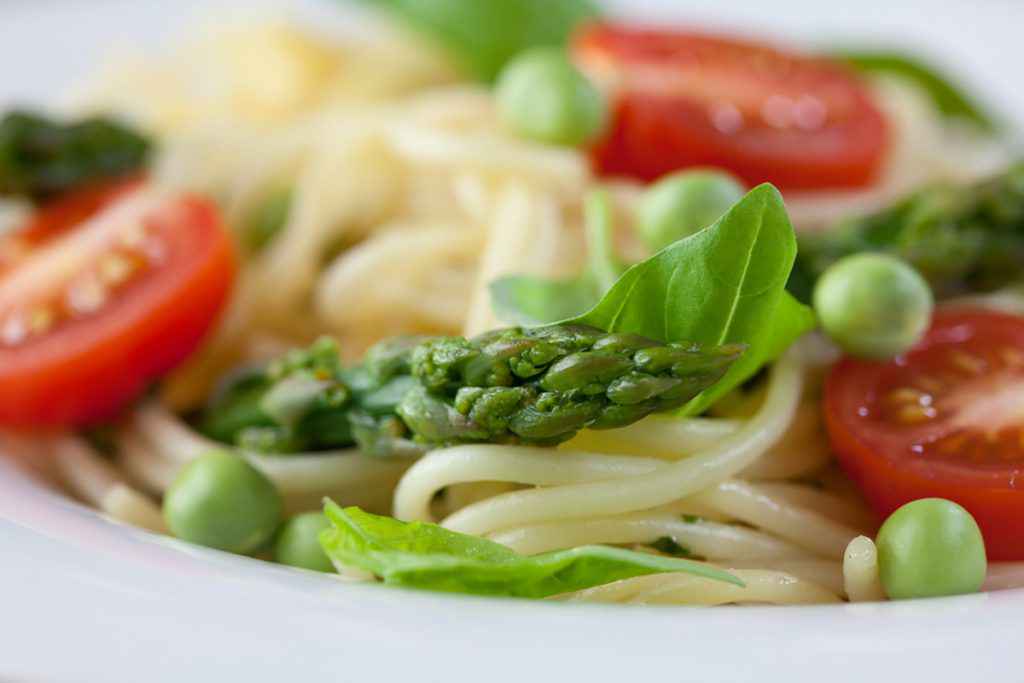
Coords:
102,292
684,99
944,420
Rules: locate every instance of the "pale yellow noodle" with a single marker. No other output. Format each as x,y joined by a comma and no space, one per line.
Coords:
804,527
762,586
711,540
861,582
644,491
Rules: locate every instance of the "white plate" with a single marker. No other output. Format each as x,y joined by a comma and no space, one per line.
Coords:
84,599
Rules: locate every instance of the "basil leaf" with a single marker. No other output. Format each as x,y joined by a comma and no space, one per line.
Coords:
724,284
526,300
422,555
949,99
484,34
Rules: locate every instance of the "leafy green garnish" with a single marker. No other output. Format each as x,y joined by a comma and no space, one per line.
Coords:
669,546
722,285
268,219
949,99
526,300
484,34
428,556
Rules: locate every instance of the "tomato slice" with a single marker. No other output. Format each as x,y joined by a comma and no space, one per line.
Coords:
684,98
102,292
945,420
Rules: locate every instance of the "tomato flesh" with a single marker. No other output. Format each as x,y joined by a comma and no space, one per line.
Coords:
98,308
686,99
944,420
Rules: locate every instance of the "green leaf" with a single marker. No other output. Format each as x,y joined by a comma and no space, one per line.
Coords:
526,300
722,285
948,98
428,556
484,34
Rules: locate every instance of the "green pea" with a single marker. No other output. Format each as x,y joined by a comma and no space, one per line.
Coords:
929,548
683,203
873,305
221,501
298,543
541,96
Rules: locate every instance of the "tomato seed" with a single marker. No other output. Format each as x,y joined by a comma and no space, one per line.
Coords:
916,414
969,363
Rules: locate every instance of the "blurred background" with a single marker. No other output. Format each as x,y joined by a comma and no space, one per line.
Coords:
986,49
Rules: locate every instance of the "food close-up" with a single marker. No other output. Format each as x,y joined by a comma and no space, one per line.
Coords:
527,299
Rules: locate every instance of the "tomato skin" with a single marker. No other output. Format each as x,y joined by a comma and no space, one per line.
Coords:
87,369
658,128
890,475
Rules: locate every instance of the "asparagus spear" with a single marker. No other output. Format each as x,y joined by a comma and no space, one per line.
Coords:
40,157
960,238
535,386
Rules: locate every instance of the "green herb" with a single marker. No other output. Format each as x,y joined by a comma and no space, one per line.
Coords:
268,219
669,546
40,157
428,556
949,99
960,238
722,285
525,300
482,35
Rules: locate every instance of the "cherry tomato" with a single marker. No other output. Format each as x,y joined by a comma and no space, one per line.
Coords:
684,98
102,292
945,420
59,216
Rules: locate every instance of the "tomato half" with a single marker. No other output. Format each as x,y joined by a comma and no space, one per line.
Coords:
685,99
102,292
944,420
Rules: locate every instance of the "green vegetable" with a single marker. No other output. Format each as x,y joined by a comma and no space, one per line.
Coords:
298,543
306,401
221,501
968,237
541,96
539,385
684,203
482,35
543,385
873,305
525,300
930,548
268,219
427,556
723,285
40,157
669,546
948,98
